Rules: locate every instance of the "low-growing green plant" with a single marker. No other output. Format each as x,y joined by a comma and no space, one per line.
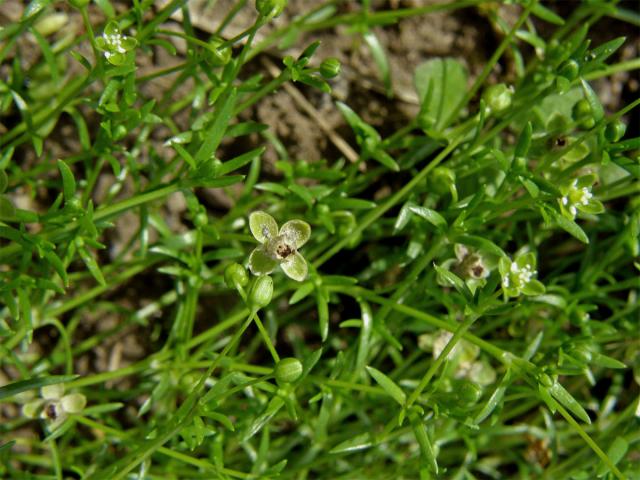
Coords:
466,306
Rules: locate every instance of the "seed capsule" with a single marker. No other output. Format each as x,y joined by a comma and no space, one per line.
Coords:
288,370
261,292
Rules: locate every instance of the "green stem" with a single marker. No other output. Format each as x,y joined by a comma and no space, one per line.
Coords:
589,441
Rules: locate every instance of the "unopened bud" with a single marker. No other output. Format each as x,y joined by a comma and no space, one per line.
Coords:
235,276
330,68
288,370
262,292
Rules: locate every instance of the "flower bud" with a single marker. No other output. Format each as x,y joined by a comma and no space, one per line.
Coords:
201,218
270,8
498,97
75,203
583,114
468,391
288,370
441,180
217,56
330,68
261,292
545,380
615,131
235,276
570,70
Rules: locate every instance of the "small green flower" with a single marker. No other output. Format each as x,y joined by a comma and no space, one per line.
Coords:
54,406
470,265
278,247
577,196
518,276
115,45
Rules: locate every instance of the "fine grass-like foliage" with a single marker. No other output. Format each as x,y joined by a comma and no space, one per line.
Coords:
465,304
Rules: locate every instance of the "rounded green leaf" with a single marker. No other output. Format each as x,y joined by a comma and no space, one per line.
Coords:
263,226
534,287
504,265
295,266
586,181
112,28
128,43
526,260
594,207
296,232
115,58
260,263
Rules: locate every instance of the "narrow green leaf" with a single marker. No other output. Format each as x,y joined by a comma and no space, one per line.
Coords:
388,385
322,302
548,399
301,293
365,335
547,15
211,182
426,449
245,128
7,210
599,54
441,84
24,303
309,362
81,125
565,398
524,142
274,406
68,181
454,280
380,58
48,55
594,102
480,243
34,7
615,452
239,161
4,181
570,227
429,215
58,266
92,265
495,399
403,218
606,361
273,188
351,204
303,193
214,133
357,443
23,385
184,154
